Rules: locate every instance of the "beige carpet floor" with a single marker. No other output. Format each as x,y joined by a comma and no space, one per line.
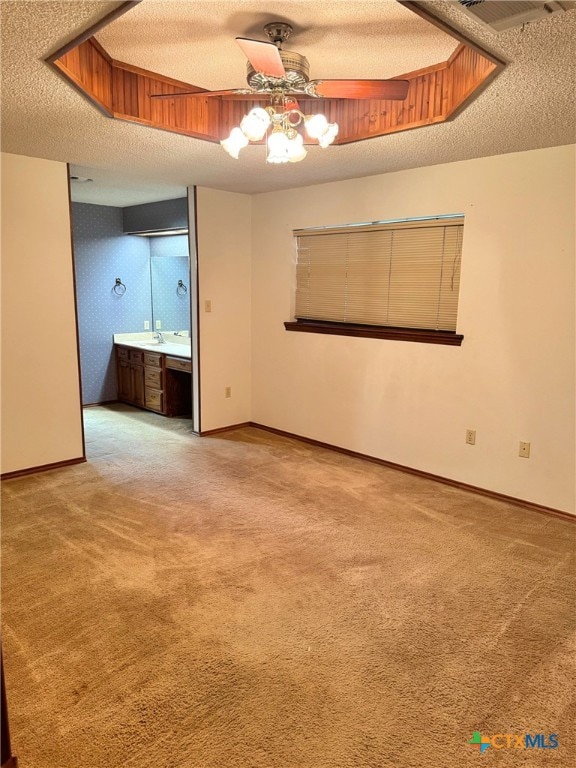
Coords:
249,601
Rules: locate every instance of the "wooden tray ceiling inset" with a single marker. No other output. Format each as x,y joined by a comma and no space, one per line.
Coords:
122,91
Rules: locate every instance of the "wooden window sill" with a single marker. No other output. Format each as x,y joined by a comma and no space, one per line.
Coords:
375,332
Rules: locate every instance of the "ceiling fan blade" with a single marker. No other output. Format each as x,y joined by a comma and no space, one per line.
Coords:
234,95
191,93
264,57
362,89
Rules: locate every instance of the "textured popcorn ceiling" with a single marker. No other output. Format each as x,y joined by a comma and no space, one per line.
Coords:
530,105
195,42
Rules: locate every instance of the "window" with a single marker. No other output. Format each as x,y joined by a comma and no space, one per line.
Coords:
395,280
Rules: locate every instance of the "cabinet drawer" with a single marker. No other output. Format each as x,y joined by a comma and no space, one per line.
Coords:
153,399
153,360
153,377
135,356
123,353
178,364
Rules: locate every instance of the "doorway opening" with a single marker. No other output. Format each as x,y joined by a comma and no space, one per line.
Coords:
135,287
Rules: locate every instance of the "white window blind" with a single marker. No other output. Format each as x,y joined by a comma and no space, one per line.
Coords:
399,274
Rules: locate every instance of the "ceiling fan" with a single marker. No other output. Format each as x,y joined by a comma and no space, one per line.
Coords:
272,70
281,77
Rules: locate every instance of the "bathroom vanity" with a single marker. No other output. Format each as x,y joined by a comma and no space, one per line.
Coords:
155,376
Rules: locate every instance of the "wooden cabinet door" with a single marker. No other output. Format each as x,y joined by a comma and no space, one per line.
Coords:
137,374
124,381
154,381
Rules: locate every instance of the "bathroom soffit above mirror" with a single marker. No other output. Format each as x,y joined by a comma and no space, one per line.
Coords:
165,217
159,233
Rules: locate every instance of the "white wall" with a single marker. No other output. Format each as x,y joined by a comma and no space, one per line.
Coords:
224,251
410,403
41,416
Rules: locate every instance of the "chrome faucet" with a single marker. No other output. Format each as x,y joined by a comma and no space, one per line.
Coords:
160,338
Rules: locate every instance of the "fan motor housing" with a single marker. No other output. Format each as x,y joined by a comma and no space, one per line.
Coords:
297,72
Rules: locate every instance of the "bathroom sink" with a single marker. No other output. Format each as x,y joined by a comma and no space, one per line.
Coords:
147,344
166,347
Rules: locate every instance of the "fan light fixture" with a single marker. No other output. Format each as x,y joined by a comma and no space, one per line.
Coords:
285,143
282,76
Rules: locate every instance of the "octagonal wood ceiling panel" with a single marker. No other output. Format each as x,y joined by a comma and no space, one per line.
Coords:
126,91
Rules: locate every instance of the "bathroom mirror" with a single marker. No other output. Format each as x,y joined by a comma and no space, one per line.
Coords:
170,283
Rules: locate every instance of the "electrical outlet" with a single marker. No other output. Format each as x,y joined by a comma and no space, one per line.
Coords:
524,451
146,325
471,436
207,306
227,391
158,324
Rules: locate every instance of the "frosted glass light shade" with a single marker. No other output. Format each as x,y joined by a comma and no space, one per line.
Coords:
329,135
235,142
255,124
316,125
278,146
296,150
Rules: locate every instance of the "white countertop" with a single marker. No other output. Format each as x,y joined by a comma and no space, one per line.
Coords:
175,346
